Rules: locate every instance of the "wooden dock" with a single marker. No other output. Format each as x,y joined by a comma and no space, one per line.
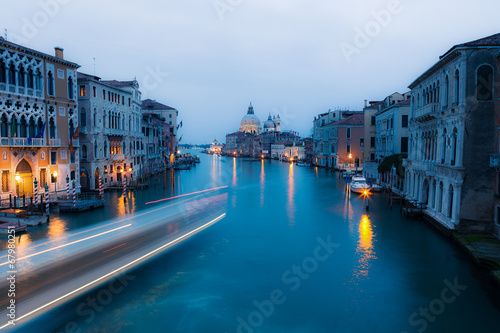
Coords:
80,206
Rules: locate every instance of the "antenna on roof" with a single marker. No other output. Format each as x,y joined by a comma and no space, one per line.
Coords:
94,66
5,34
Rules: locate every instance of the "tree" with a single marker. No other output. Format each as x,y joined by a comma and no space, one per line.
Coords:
389,161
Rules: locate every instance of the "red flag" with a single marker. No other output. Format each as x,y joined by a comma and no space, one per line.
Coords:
76,134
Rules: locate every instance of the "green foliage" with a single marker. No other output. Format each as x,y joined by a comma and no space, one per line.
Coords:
389,161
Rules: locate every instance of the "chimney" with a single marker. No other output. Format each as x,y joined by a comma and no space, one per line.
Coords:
59,52
366,103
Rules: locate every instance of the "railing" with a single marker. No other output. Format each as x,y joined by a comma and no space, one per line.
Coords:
10,88
117,157
495,161
55,142
429,109
30,142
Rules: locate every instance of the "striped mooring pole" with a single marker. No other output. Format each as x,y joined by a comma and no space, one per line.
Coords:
74,194
36,192
124,189
101,192
47,200
67,188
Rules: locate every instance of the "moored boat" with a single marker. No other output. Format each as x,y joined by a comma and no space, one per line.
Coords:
359,185
6,226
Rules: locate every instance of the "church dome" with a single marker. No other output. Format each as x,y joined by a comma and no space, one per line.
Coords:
250,122
269,125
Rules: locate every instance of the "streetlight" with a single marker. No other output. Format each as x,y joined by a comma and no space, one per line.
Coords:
350,159
54,174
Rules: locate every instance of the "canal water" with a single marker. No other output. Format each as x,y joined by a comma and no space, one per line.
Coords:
295,253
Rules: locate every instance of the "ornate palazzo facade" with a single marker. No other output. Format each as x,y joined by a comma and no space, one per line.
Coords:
452,135
38,118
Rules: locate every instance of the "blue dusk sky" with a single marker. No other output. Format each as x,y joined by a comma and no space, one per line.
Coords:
210,58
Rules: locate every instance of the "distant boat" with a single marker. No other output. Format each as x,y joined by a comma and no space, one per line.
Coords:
376,188
303,164
359,185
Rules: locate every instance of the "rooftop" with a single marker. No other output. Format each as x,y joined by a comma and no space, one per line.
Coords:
149,104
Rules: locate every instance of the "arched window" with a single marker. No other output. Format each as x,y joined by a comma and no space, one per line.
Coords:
32,128
23,126
454,146
456,93
96,150
84,152
50,83
20,75
38,80
437,92
4,127
443,153
52,129
30,79
418,100
95,118
72,175
446,91
104,120
3,76
12,74
484,83
83,117
71,94
348,133
105,149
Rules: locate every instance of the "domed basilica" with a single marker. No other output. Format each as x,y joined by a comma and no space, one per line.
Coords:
251,123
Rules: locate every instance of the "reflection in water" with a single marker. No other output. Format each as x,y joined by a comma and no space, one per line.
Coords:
124,208
262,183
23,241
234,171
57,227
365,249
291,197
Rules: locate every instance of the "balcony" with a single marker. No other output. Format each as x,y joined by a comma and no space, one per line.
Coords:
22,142
55,142
427,112
495,161
12,89
117,157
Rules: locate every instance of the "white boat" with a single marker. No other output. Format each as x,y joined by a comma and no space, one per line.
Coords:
303,164
359,185
376,188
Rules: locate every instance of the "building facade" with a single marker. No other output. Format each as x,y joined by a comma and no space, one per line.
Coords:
39,118
111,139
451,137
169,114
392,130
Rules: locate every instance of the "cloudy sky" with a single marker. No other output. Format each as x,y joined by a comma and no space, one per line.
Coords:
210,58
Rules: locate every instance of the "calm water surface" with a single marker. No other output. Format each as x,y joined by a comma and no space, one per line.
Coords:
267,267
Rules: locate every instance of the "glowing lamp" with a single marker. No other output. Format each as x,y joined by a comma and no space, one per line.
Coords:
54,173
18,178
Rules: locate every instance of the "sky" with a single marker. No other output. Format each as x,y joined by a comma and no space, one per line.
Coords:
210,58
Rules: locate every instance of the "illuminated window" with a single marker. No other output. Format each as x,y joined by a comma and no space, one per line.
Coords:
82,91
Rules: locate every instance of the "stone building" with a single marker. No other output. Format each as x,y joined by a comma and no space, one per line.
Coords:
169,114
392,129
110,132
452,133
39,118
